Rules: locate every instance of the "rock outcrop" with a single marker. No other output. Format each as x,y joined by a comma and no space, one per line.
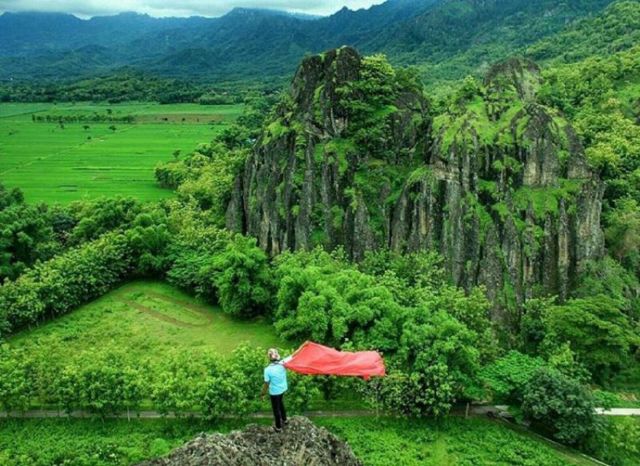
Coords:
498,184
301,443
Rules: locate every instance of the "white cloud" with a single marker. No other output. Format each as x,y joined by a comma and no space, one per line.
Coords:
86,8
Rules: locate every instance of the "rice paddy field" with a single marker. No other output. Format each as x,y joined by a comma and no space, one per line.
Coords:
84,159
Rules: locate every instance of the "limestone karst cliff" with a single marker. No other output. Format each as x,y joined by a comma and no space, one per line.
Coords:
497,183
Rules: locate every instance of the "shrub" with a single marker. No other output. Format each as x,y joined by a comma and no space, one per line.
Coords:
430,392
242,277
55,287
560,406
508,376
15,389
598,332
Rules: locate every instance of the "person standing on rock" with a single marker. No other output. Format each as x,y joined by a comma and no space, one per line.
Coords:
275,381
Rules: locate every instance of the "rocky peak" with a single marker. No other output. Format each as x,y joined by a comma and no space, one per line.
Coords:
336,149
315,85
301,443
499,185
514,75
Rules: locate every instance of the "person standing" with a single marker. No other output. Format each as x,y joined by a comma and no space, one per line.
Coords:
275,382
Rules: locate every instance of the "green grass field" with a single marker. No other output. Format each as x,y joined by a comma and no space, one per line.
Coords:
377,441
148,320
55,164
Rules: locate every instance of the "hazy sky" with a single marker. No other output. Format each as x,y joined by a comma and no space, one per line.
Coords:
86,8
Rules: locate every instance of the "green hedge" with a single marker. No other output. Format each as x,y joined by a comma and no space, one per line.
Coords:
60,285
106,383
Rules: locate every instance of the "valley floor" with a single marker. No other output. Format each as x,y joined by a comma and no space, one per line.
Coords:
52,162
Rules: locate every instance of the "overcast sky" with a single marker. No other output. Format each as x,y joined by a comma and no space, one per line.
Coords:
87,8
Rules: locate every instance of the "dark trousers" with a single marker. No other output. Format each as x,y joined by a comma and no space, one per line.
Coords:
279,413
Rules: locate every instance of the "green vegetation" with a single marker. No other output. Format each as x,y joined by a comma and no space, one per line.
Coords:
454,441
149,321
122,86
79,442
378,441
115,305
618,442
62,161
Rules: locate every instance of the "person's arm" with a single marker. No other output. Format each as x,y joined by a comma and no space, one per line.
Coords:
265,387
290,357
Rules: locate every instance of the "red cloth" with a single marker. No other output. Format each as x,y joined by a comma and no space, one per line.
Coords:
313,358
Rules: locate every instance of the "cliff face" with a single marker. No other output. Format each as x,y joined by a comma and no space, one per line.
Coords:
498,184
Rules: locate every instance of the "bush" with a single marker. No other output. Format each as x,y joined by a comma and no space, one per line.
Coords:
560,406
598,332
15,390
106,382
508,376
617,441
55,287
242,277
189,256
430,392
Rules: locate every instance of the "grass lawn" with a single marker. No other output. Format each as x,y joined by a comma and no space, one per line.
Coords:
148,320
378,442
55,164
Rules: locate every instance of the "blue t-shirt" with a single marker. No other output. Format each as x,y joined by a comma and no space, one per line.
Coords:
275,375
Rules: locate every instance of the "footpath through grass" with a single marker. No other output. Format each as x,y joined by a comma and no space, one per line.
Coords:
377,441
148,320
85,159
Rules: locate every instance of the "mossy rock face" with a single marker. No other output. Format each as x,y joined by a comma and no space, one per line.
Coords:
339,149
498,184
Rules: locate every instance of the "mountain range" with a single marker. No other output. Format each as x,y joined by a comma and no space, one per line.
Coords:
445,39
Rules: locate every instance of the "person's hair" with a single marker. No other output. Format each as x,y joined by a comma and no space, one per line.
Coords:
273,354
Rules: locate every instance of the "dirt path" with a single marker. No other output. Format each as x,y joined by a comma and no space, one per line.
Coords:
199,311
159,315
481,411
619,411
51,413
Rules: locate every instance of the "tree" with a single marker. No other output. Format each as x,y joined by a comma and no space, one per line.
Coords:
26,236
560,406
322,297
598,332
508,376
623,233
436,338
242,278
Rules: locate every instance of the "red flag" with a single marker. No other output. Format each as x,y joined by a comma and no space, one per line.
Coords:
313,358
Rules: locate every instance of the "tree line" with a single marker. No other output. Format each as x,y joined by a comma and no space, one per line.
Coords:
90,118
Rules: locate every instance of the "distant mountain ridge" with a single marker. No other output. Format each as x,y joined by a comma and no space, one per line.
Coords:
447,38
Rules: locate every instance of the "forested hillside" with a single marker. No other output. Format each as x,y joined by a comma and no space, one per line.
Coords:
446,39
